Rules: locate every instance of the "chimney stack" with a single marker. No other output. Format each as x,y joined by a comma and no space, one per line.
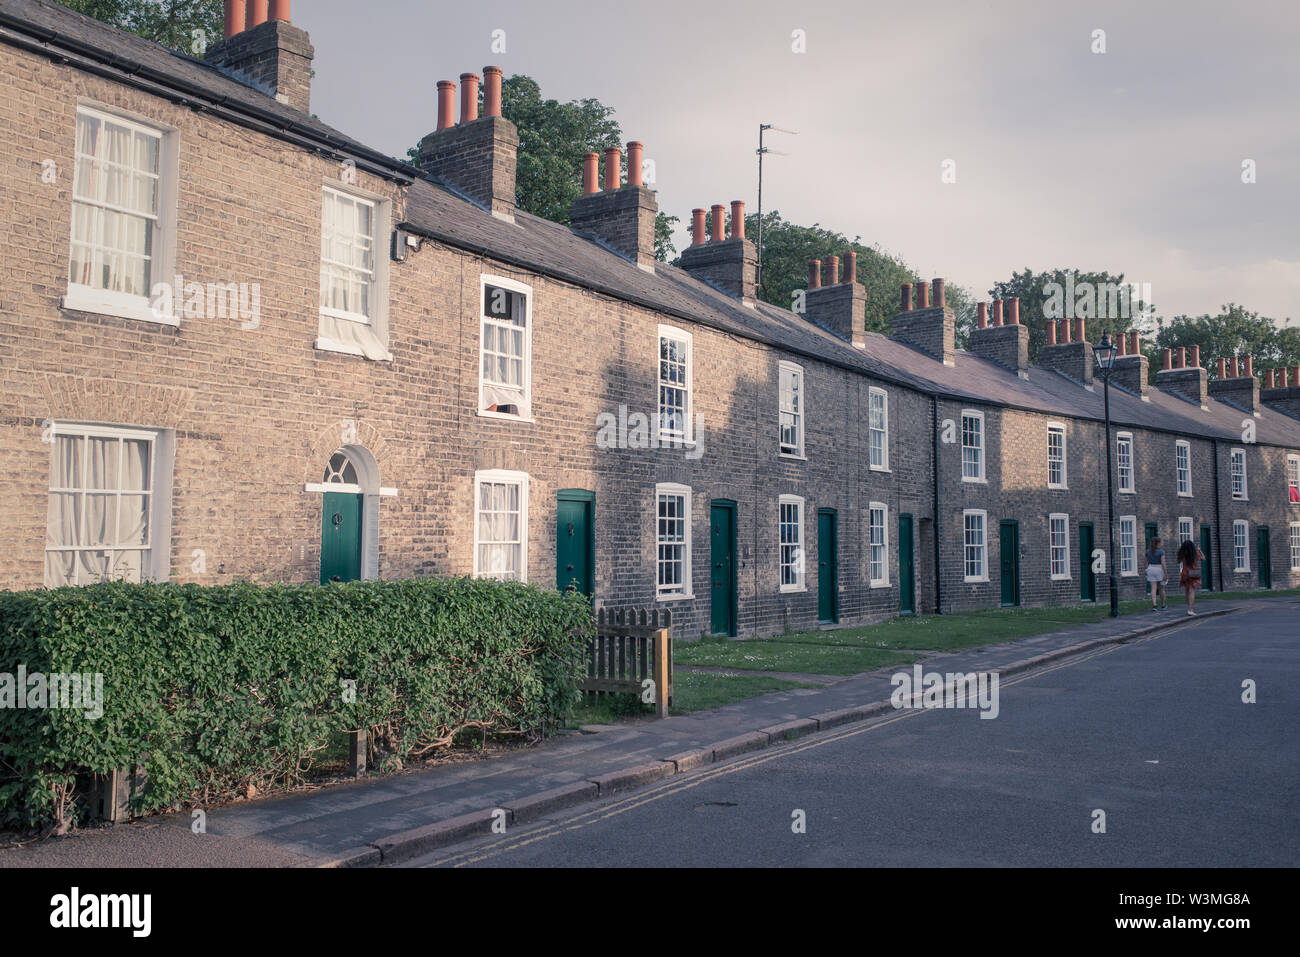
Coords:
1071,357
1240,388
262,49
623,216
1005,342
1284,394
477,156
841,305
931,329
1132,368
727,264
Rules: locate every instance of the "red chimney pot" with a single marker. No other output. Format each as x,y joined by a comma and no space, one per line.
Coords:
613,175
834,268
1182,357
255,15
1222,368
718,212
590,174
936,289
907,297
635,151
737,219
1250,367
468,97
492,91
235,10
1013,312
279,10
850,267
814,274
1196,357
697,224
446,104
997,312
1051,332
922,295
982,317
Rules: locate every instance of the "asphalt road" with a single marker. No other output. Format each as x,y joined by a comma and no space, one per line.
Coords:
1153,732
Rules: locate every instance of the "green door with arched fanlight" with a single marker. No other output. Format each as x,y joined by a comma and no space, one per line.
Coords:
340,538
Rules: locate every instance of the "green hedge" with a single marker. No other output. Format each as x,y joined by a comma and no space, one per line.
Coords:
213,689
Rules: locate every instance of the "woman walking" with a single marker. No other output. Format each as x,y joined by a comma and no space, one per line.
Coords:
1189,559
1156,576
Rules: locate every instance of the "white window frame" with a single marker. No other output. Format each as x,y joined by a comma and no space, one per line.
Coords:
664,593
155,565
491,476
1293,479
1294,542
800,416
1128,563
510,285
1241,553
1190,523
882,580
1183,467
974,415
1124,441
872,395
800,549
1236,456
106,302
1058,429
1053,547
981,547
688,414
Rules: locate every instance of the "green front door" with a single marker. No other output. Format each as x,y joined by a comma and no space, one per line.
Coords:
722,563
828,567
1152,531
340,538
1264,557
1009,537
1207,579
575,541
1087,578
906,572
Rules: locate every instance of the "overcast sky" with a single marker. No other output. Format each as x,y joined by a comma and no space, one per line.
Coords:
1129,160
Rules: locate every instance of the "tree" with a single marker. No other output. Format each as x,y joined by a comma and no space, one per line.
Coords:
1103,299
553,138
788,248
1234,331
187,26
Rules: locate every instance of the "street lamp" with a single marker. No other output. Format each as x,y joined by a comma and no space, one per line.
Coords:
1105,353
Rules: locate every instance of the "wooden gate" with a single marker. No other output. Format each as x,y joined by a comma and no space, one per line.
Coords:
630,648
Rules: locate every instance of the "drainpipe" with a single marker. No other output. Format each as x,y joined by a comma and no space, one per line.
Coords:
938,556
1218,523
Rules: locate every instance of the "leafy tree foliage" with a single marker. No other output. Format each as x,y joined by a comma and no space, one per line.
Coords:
170,22
1036,293
788,248
1234,331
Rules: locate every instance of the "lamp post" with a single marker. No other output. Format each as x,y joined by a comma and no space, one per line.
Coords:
1105,353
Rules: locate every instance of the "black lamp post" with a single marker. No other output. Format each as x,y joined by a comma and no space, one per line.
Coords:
1105,353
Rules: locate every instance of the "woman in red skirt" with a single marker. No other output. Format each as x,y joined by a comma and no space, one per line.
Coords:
1189,560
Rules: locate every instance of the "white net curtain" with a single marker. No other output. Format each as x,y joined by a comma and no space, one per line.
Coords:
98,510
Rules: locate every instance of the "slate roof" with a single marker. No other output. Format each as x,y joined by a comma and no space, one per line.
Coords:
548,248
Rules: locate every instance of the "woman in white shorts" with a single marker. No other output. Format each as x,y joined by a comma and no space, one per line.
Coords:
1156,574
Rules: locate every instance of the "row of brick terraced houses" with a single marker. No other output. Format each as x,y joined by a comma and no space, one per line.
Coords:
235,343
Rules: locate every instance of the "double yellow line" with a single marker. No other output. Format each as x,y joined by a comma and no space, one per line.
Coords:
677,786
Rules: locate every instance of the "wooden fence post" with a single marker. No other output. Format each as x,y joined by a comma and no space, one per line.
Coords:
663,670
